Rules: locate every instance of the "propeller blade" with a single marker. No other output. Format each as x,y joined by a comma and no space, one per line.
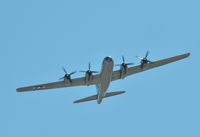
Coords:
61,78
147,54
123,58
95,72
72,73
139,58
83,71
89,65
149,61
64,70
130,64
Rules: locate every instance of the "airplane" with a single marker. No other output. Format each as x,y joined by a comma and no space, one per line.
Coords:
105,77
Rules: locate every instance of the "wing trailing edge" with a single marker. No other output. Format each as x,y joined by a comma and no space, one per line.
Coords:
94,97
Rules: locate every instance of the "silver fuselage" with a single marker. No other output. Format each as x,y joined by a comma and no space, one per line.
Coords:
105,78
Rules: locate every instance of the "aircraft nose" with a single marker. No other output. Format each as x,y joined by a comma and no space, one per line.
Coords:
108,59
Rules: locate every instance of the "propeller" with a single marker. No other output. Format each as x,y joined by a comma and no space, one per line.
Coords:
89,71
123,63
67,75
144,60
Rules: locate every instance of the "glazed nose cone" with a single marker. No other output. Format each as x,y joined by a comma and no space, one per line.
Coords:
108,59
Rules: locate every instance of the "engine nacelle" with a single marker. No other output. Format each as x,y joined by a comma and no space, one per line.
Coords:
123,71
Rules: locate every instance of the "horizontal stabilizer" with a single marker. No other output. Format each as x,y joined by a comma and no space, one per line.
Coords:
94,97
113,93
86,99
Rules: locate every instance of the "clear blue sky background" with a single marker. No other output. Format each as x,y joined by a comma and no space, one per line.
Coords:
38,37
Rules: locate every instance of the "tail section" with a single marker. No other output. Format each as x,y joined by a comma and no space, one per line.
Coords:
94,97
109,94
86,99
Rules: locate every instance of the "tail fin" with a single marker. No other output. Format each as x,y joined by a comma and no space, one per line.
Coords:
94,97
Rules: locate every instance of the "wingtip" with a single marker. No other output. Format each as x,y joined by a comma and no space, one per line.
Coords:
18,89
75,102
188,54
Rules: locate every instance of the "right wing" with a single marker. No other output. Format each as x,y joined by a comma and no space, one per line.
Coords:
136,69
61,84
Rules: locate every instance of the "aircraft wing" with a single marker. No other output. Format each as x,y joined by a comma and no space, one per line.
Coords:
61,84
137,69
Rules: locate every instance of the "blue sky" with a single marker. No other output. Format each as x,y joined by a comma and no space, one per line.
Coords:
38,37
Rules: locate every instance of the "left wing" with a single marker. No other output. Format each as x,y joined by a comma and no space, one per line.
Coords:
61,84
136,69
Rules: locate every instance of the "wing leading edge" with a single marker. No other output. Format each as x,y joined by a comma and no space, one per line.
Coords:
115,76
137,69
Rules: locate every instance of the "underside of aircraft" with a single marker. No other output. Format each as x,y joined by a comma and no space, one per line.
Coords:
103,79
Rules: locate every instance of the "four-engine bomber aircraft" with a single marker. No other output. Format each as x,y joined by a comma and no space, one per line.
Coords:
107,75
